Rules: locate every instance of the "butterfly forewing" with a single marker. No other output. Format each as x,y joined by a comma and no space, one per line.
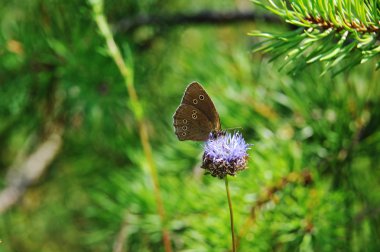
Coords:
196,96
196,117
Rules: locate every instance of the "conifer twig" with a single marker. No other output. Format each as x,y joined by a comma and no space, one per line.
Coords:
340,34
304,178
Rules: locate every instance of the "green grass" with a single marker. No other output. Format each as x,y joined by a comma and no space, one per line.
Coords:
307,122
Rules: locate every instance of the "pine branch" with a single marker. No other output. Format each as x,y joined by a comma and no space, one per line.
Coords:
304,178
340,33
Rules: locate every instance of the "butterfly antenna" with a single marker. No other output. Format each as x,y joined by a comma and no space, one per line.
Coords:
234,128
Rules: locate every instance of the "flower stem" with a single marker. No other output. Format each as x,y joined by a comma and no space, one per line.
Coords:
231,214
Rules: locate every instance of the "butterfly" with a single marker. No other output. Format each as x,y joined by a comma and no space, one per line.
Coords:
196,116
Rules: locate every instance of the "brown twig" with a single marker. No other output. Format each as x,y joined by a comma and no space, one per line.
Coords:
204,17
359,27
119,244
30,170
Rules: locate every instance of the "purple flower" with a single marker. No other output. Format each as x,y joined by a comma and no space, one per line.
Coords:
225,154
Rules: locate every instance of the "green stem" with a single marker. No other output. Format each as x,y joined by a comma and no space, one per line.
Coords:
136,107
231,214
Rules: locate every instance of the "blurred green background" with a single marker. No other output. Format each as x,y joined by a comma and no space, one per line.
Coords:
313,178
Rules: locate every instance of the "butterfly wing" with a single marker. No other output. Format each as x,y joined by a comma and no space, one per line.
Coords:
196,96
190,123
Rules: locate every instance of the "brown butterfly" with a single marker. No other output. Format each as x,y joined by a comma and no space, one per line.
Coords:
196,116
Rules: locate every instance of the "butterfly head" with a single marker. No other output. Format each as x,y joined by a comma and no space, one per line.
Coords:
214,134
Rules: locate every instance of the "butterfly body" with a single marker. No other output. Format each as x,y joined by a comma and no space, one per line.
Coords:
196,116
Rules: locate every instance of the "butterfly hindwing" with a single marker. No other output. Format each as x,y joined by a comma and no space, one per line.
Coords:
190,123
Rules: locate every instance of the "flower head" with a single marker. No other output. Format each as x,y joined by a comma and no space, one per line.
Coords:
225,154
